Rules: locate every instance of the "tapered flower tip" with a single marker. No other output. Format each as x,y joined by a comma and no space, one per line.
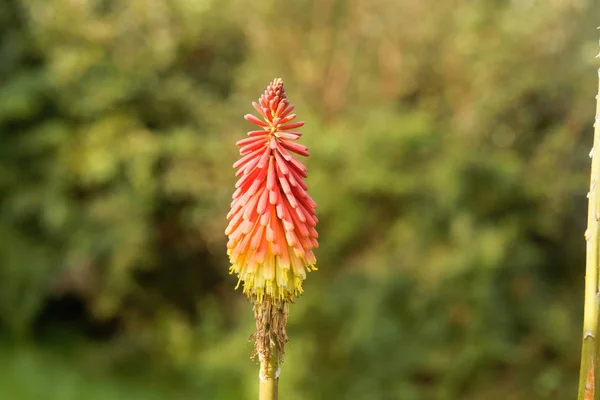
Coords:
272,219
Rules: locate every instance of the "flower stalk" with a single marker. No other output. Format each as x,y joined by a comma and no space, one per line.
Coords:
269,382
271,227
588,378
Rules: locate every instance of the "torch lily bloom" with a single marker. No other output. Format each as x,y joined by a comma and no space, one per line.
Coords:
272,219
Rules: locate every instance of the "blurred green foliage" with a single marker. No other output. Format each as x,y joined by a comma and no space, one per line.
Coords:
449,146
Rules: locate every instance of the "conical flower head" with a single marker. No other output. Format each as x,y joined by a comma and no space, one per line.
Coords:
272,218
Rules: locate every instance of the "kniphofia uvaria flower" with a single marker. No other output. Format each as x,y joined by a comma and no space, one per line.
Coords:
272,218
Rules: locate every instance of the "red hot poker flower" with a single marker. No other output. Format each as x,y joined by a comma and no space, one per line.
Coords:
272,218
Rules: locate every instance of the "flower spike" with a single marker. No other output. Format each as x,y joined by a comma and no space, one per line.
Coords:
272,219
271,226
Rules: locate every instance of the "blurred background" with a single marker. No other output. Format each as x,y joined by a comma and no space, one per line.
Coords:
449,144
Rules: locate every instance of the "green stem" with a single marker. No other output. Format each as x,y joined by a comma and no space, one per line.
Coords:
588,377
269,380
